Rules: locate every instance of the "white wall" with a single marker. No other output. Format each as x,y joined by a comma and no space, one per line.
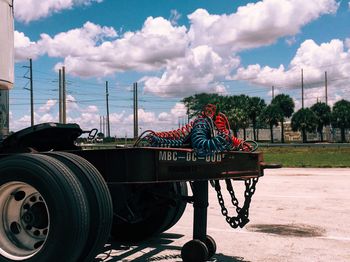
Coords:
6,45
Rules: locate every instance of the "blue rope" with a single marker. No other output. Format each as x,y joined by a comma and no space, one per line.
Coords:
202,139
204,142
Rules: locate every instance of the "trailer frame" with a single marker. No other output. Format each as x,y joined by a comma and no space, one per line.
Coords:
148,165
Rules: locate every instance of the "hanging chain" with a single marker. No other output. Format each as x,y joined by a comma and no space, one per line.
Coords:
242,212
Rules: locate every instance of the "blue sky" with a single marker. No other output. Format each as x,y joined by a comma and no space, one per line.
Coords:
174,49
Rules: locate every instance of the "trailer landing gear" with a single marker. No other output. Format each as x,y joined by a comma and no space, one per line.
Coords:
202,247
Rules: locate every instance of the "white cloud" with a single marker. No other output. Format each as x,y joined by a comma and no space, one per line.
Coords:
30,10
164,117
256,24
215,41
87,121
86,116
71,104
174,16
313,95
49,105
122,123
190,60
291,40
96,52
314,59
116,118
90,109
179,110
84,39
347,43
25,48
45,118
194,72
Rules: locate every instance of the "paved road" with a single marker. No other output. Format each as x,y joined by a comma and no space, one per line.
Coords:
296,215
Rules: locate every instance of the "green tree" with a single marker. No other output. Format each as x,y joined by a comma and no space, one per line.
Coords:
304,120
323,113
340,117
238,119
195,104
254,108
271,115
241,104
286,105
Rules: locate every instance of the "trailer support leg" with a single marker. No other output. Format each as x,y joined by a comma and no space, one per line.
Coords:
200,205
202,246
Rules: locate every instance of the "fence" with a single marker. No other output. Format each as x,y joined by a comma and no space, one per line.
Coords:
332,135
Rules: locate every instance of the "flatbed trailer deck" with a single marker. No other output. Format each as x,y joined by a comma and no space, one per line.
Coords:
171,164
132,193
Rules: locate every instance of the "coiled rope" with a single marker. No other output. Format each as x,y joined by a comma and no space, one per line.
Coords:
208,134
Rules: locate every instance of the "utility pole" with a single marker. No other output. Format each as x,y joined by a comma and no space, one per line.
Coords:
136,126
60,118
137,110
31,91
108,125
101,124
273,92
326,86
64,112
327,128
302,88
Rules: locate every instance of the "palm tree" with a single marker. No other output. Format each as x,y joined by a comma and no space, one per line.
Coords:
323,113
271,115
235,108
195,104
255,106
304,120
237,118
286,105
341,116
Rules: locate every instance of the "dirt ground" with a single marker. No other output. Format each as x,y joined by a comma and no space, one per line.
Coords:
297,214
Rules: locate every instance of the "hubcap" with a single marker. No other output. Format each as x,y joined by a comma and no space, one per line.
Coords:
24,221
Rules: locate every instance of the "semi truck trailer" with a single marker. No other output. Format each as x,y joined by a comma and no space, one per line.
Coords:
59,202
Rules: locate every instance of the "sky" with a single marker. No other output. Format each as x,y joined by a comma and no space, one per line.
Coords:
174,49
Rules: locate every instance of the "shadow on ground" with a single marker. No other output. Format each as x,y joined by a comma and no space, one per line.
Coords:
157,249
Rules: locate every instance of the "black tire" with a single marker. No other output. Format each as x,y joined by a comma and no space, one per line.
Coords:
181,190
211,245
194,251
98,198
142,211
59,215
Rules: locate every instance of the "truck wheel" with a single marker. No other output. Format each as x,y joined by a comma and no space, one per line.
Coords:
98,198
211,245
181,190
145,210
44,215
194,251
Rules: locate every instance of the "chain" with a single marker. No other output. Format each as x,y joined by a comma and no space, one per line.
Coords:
242,212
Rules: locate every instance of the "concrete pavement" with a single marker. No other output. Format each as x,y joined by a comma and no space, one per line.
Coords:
297,214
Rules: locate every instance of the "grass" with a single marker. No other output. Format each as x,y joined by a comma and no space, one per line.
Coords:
307,157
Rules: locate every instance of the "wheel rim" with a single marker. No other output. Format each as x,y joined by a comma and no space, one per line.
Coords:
24,221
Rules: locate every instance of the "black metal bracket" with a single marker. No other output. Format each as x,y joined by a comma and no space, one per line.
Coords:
200,205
